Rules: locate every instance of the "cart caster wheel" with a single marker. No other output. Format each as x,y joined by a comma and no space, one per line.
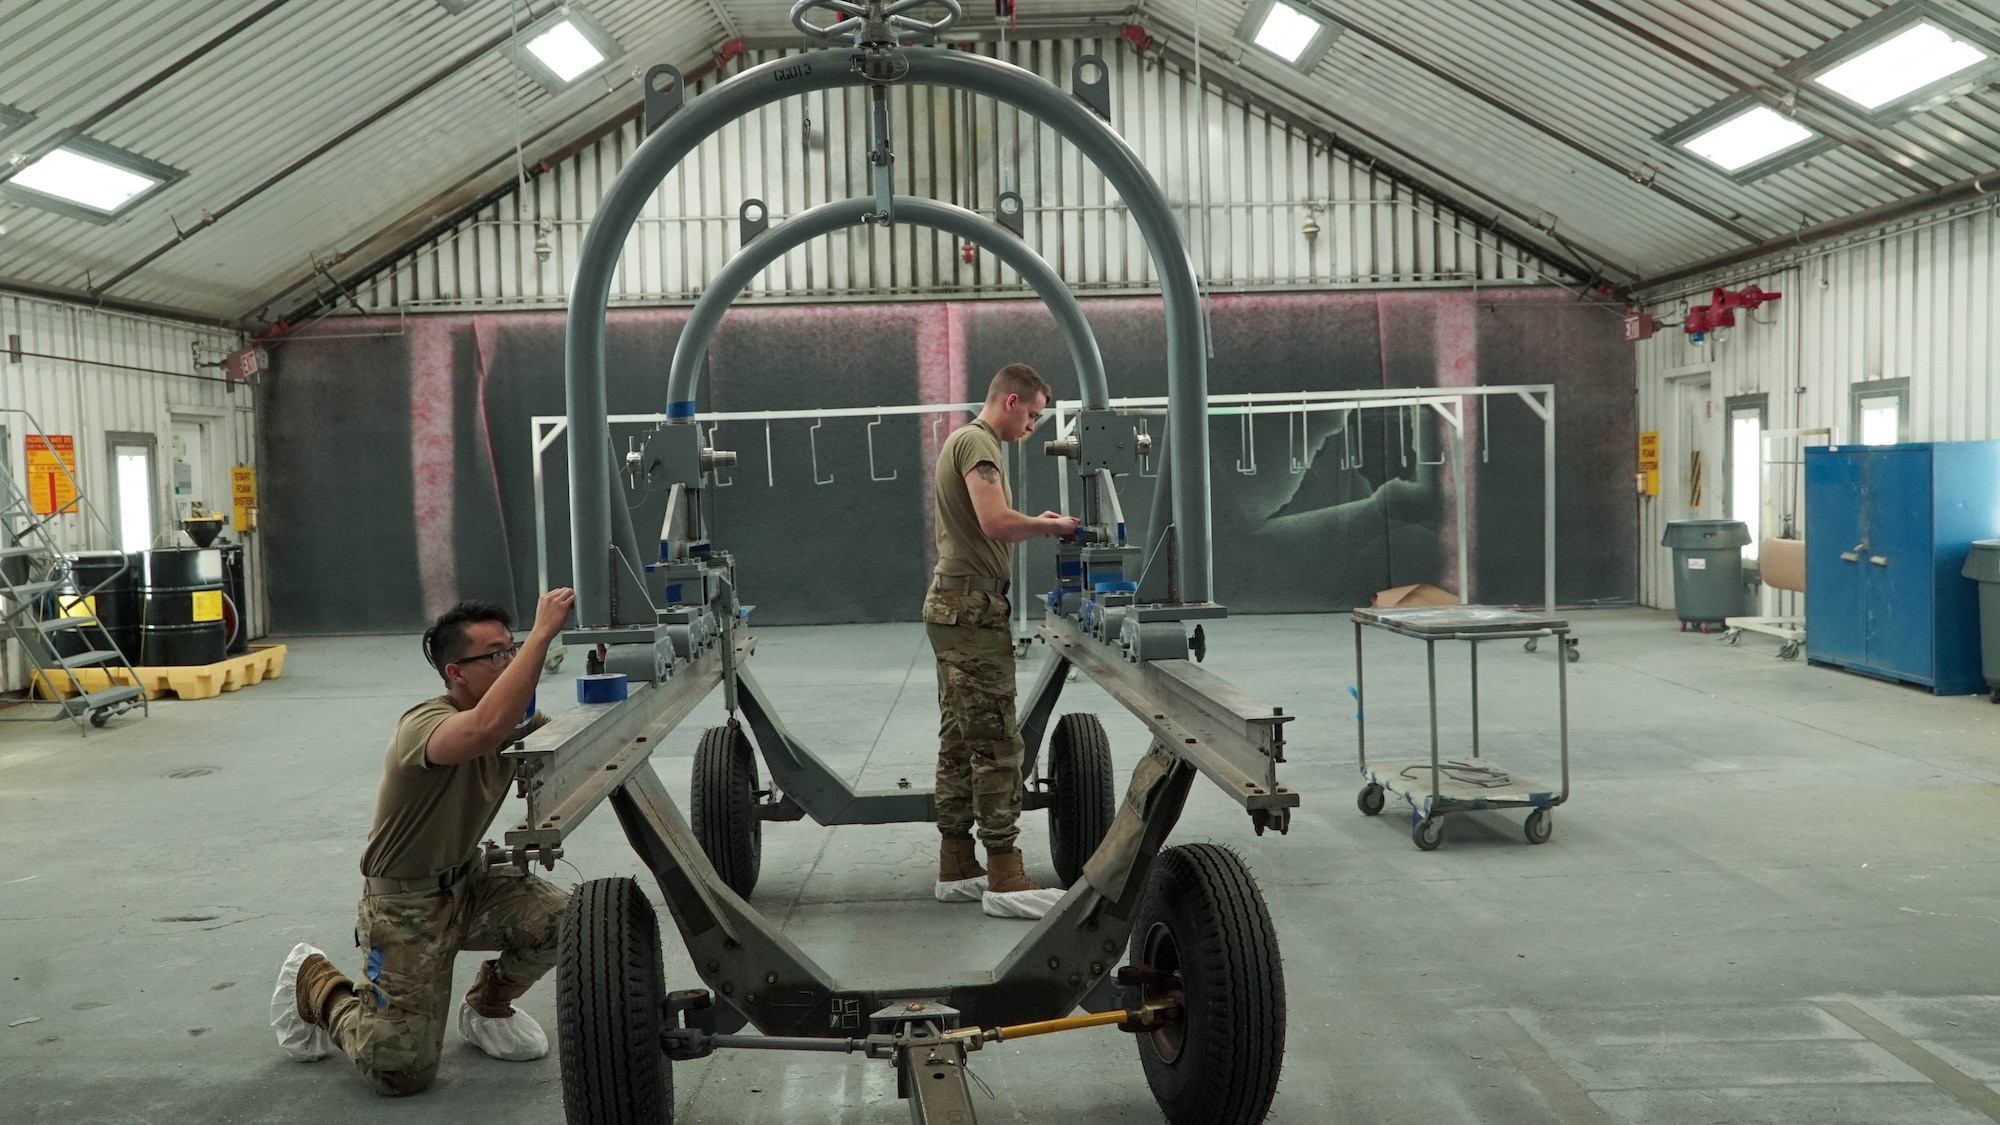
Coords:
609,992
1538,826
1428,833
1370,800
1571,653
100,717
1996,695
1203,924
1530,645
1788,651
554,662
1732,637
722,800
1085,797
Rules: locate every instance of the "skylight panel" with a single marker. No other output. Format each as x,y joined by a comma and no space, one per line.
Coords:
1747,139
1921,55
1287,32
565,51
87,181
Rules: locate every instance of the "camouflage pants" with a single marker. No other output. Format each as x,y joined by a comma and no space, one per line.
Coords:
393,1026
979,746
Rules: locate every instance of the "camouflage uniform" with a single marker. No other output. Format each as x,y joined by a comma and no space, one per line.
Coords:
393,1025
979,746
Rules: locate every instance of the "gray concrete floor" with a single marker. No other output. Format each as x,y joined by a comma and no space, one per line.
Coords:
1771,899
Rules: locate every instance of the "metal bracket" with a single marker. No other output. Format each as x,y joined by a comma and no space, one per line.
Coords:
1010,210
752,219
1248,429
666,92
812,436
1090,81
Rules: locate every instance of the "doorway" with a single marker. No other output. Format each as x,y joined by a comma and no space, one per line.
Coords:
1696,469
133,519
191,467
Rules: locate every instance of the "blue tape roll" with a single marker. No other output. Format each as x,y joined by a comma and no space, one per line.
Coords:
680,411
605,687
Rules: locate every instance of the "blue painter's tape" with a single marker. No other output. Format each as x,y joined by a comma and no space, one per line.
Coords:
1357,701
674,594
1068,568
605,687
374,963
680,411
1114,586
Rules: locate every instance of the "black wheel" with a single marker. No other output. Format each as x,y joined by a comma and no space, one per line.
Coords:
1428,833
1085,800
1530,645
1732,637
100,716
1538,826
1370,799
723,801
1203,923
609,988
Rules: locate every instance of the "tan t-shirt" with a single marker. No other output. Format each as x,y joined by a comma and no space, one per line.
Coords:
429,818
963,549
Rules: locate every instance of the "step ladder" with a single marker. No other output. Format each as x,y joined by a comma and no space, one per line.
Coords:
41,608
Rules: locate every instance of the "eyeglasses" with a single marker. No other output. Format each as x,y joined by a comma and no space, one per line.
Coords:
500,659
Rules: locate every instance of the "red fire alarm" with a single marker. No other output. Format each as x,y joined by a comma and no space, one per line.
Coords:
1638,326
1720,312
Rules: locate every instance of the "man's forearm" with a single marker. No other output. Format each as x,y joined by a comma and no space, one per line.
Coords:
1017,527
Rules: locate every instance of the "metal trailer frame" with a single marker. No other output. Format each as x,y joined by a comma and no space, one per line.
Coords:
674,656
1428,805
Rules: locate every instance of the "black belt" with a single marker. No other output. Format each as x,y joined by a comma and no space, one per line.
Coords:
960,584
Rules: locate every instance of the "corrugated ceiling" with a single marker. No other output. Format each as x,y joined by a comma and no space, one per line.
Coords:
337,129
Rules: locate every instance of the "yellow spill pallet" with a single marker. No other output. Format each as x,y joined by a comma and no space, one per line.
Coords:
201,681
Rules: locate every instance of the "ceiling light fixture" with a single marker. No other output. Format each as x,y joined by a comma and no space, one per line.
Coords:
1747,138
564,48
1918,57
87,179
1288,31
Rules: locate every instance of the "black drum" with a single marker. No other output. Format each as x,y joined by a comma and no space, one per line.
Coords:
109,580
182,620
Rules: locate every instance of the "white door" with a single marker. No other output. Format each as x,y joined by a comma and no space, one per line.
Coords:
1696,465
189,467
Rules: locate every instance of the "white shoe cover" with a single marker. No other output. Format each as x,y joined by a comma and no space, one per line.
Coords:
960,890
1021,904
300,1039
518,1038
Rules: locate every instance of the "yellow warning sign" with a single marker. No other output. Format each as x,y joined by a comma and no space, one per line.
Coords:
1649,451
207,605
51,473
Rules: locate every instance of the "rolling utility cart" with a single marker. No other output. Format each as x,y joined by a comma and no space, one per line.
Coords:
1431,789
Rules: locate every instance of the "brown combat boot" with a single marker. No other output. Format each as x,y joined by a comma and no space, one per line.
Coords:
319,985
1005,876
490,996
957,860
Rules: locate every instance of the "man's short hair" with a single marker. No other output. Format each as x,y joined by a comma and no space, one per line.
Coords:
444,641
1018,379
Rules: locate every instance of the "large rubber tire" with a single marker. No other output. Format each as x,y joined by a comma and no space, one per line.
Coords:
1203,920
722,798
609,987
1085,798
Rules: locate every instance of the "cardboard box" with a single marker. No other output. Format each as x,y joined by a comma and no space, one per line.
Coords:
1423,593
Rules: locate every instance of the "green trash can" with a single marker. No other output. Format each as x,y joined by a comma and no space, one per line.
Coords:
1708,570
1982,565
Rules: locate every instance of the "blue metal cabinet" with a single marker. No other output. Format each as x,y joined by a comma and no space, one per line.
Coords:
1887,529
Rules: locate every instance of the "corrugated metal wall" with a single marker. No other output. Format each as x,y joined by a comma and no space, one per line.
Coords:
1914,302
67,380
1265,178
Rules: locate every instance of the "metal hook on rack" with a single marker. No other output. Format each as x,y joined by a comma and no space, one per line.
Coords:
1304,459
1485,450
872,475
1145,440
935,445
770,478
1403,433
1416,439
812,436
1249,432
713,444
